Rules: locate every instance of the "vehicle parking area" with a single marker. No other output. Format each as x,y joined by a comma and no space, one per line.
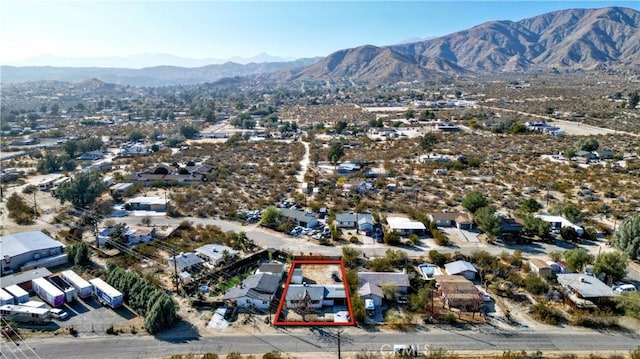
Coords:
89,316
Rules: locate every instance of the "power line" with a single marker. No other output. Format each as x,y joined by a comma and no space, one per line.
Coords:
21,339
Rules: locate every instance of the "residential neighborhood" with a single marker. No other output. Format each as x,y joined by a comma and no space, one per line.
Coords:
444,204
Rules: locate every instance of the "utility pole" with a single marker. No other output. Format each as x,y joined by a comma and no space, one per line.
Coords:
35,208
175,271
339,331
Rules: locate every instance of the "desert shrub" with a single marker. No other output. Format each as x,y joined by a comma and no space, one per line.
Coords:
590,320
535,285
274,354
546,314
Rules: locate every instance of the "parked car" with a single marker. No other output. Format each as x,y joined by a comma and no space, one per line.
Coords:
485,296
626,288
59,314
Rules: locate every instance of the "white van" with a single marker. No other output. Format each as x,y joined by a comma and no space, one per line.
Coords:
625,288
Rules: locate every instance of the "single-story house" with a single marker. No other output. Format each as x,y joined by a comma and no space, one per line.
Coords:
583,290
275,268
460,220
589,156
121,189
301,218
540,267
91,156
463,268
157,204
304,296
348,220
605,154
29,250
405,226
558,222
459,293
184,261
256,291
511,225
348,167
131,236
215,253
315,296
371,283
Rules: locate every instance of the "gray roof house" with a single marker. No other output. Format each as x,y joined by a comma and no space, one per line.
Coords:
462,268
256,291
215,253
371,284
584,290
275,268
301,218
348,220
184,261
29,250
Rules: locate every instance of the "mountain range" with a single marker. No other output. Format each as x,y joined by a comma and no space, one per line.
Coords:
139,61
574,39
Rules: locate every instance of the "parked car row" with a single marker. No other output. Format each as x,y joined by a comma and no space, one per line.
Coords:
316,233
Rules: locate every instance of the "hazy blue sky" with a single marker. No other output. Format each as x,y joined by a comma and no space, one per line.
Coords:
217,29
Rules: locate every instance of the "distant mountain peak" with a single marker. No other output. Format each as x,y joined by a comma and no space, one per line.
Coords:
566,39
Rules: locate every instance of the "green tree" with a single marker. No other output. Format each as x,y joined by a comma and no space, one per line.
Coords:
427,141
474,201
82,189
627,237
634,99
590,144
392,238
270,217
357,307
409,113
335,152
389,291
536,226
612,264
577,258
530,205
161,315
55,109
340,126
135,136
350,256
573,214
487,220
79,254
419,301
188,131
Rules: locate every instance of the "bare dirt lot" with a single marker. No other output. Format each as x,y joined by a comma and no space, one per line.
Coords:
320,273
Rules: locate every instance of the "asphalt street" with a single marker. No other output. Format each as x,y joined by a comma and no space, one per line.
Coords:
302,340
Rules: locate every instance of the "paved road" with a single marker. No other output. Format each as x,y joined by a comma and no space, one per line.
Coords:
301,340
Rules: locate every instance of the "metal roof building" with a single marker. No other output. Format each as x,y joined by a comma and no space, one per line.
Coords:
28,250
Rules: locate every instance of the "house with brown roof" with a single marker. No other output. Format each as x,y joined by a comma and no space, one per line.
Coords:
459,220
458,292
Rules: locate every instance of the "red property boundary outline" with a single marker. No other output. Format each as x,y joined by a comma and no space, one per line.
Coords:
295,262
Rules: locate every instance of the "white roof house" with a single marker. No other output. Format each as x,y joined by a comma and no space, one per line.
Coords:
148,203
464,268
559,221
214,253
403,225
33,248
